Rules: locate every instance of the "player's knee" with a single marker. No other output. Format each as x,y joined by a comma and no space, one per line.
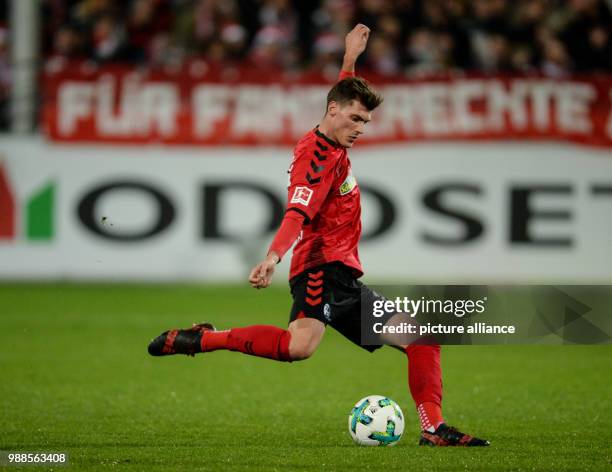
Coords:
306,335
300,351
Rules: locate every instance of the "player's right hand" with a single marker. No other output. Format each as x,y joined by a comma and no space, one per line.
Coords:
261,274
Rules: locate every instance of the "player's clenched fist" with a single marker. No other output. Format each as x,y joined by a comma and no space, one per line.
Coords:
356,40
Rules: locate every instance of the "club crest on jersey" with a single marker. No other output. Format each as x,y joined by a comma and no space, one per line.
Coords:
348,185
327,312
301,195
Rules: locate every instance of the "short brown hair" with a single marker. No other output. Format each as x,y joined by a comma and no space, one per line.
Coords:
355,88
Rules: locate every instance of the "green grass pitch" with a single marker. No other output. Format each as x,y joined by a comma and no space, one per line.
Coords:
76,377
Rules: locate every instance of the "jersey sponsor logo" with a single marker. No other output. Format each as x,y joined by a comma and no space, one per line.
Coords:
302,195
348,185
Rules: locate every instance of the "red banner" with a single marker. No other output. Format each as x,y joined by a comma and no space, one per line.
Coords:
198,105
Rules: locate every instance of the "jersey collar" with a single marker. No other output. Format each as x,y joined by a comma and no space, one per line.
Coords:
328,140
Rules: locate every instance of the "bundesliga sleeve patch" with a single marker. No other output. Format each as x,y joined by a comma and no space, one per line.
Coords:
301,195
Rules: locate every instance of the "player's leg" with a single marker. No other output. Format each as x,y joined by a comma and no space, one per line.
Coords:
298,342
425,384
424,371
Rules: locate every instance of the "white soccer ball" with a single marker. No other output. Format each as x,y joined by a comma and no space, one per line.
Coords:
376,421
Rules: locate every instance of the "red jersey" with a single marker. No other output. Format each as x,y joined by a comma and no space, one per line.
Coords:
322,188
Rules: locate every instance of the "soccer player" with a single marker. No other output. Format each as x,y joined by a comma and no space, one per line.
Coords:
324,216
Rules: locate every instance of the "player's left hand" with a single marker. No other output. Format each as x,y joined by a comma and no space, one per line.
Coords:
261,274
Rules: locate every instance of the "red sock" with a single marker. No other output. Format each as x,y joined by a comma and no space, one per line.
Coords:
262,341
430,415
425,382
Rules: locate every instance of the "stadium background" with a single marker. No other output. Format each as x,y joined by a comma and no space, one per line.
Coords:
148,141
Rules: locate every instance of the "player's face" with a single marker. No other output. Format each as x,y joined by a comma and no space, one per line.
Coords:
349,120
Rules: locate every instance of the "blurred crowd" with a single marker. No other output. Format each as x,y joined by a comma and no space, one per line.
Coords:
409,37
412,37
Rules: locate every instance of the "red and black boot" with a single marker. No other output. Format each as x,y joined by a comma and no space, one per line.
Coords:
180,341
449,436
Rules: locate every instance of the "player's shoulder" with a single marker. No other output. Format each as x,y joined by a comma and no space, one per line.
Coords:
316,144
306,142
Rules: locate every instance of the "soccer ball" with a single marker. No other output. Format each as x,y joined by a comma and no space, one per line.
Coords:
376,421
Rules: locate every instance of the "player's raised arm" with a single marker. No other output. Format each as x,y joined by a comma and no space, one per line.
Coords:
355,43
